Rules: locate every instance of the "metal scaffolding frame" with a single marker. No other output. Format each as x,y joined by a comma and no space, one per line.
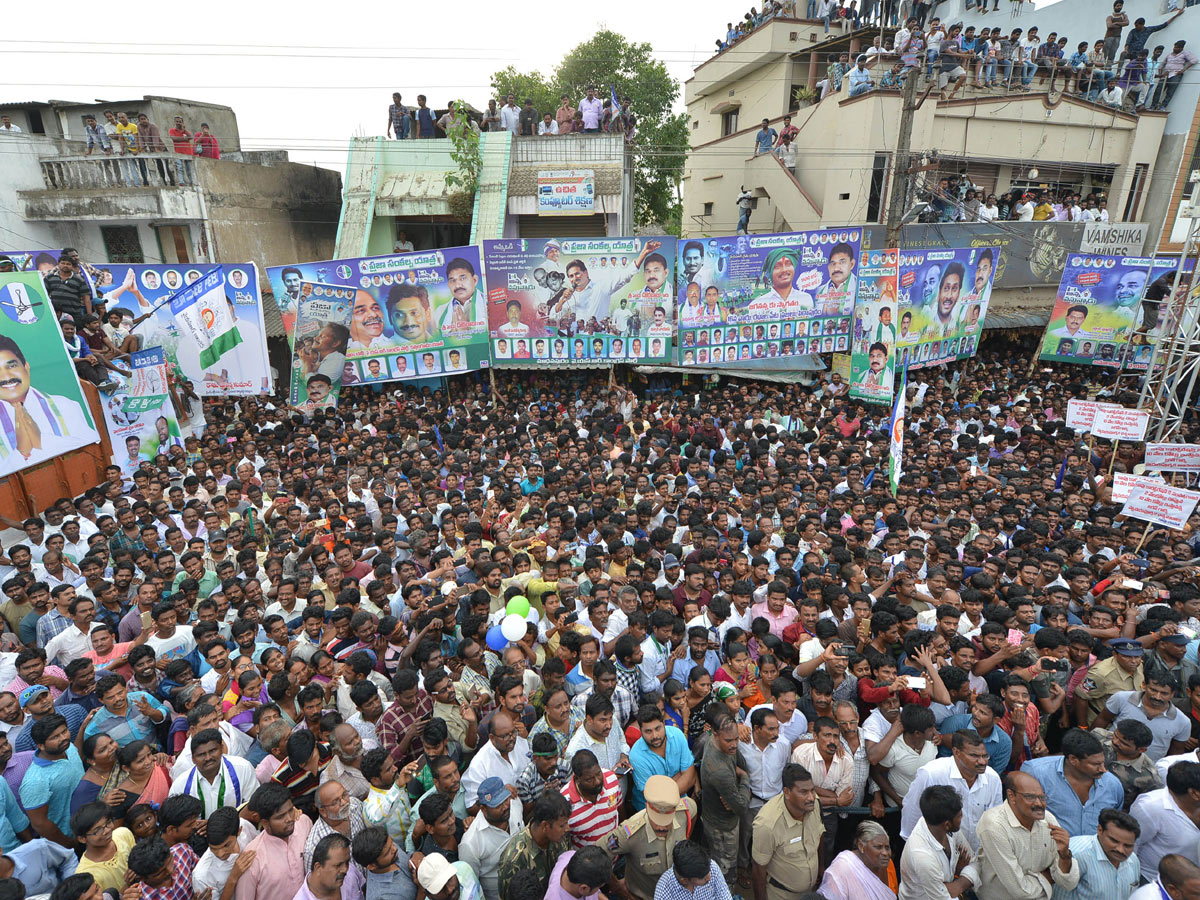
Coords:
1170,381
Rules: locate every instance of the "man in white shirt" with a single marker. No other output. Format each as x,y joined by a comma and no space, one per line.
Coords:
547,125
937,860
1168,818
505,755
216,779
499,818
967,771
510,115
75,640
591,108
1178,878
1112,95
1024,209
7,127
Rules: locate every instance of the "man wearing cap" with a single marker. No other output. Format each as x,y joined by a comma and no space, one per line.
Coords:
499,819
1120,672
445,880
37,702
647,838
1153,707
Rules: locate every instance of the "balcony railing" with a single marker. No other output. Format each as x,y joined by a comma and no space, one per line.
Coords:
155,170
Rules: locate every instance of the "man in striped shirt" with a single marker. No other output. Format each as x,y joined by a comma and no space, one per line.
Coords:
595,797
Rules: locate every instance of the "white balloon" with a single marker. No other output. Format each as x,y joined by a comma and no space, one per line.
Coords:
513,627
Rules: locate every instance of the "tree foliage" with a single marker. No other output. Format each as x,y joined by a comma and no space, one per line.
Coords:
608,60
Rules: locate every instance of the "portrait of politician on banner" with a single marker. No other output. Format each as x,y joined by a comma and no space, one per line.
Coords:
943,296
873,337
322,336
580,301
413,314
1098,306
766,295
42,409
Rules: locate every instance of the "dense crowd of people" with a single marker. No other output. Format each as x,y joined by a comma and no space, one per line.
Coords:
551,638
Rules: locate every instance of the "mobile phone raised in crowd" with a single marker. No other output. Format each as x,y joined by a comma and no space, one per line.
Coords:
916,682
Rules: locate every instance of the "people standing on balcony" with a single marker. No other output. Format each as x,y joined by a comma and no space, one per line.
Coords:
547,126
592,109
127,135
182,139
399,119
764,138
491,117
510,115
1113,26
7,127
1136,40
825,12
565,114
952,74
149,140
206,143
424,119
96,136
1178,61
527,119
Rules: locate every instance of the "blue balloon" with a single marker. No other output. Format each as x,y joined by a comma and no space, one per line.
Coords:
495,640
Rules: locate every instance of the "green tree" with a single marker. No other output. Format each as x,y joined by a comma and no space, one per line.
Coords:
610,61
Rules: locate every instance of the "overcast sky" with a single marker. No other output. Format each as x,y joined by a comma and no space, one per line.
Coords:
307,77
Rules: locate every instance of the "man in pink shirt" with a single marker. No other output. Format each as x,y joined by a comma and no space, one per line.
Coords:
775,609
579,874
278,867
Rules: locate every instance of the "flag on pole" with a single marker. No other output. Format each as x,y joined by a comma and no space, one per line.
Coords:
895,457
203,314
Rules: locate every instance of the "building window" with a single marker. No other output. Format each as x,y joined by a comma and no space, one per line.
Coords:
122,244
878,175
729,123
708,209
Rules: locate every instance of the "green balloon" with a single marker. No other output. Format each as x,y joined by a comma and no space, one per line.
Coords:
518,606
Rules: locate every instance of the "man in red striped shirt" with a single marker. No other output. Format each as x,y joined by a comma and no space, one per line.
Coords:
595,797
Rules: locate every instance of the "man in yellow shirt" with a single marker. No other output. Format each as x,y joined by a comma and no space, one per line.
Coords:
127,138
1044,209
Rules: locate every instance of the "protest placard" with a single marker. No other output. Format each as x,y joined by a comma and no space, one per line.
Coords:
1160,504
1173,457
1123,483
1116,423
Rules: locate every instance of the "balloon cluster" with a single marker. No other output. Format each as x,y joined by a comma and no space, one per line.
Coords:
512,627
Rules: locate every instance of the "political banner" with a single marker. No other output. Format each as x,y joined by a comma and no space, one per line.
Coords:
140,416
1173,457
580,301
841,366
766,296
42,409
943,299
322,335
1163,311
1160,504
873,337
1096,309
414,315
1116,423
1123,484
219,346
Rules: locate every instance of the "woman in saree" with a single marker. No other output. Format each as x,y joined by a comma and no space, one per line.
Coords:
865,872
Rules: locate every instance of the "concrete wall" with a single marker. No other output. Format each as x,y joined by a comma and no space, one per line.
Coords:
270,214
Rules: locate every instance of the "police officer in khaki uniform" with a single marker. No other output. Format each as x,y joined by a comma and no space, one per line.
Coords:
787,850
1121,672
647,838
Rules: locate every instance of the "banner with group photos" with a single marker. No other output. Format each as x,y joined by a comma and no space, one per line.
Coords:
943,297
764,296
580,301
43,412
873,337
139,413
413,315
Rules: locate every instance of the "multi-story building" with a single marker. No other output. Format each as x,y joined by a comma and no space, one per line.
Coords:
158,207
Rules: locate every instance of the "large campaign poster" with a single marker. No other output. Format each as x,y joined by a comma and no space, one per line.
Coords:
140,416
137,290
321,339
943,298
873,337
1097,308
1163,311
414,315
42,409
580,301
766,295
